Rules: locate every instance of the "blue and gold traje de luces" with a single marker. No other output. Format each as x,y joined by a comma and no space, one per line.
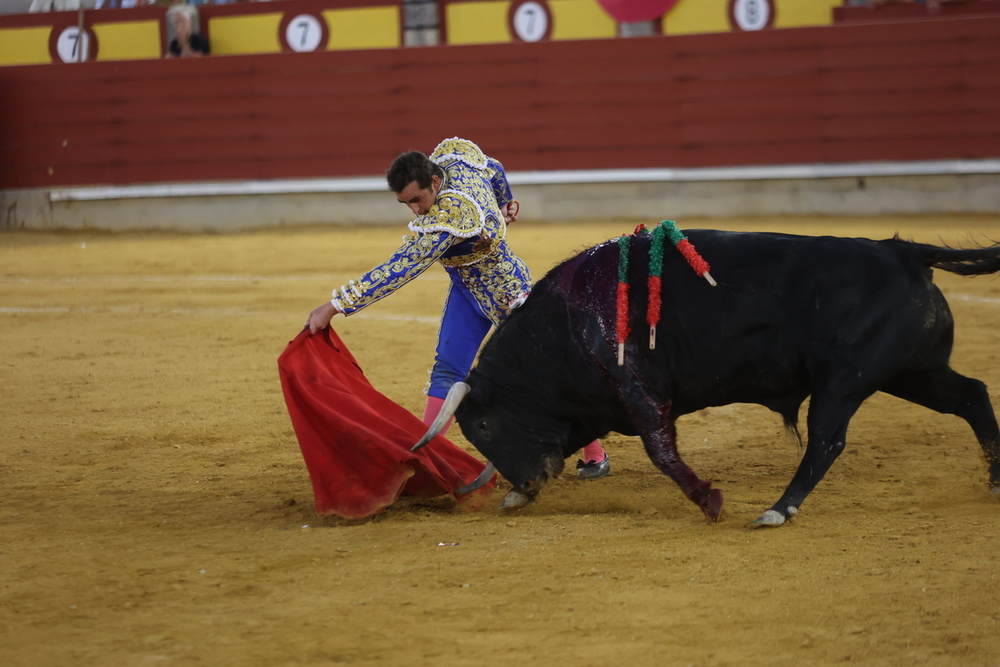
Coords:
464,230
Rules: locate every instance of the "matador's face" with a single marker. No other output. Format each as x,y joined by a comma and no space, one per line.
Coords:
419,199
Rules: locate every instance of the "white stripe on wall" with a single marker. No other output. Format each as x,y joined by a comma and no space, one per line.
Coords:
561,177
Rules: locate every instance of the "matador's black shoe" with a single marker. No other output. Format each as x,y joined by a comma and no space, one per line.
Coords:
593,469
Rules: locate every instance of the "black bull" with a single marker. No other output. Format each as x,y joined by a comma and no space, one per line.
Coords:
836,319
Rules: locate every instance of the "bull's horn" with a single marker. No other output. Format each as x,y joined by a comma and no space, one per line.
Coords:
485,476
455,395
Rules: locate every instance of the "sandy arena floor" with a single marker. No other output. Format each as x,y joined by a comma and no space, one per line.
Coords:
155,509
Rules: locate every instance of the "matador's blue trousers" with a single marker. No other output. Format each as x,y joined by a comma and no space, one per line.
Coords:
463,328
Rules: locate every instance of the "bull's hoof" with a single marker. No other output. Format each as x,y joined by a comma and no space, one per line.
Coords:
515,500
710,502
768,518
995,491
773,518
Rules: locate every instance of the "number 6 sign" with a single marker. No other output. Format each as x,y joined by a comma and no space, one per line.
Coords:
751,14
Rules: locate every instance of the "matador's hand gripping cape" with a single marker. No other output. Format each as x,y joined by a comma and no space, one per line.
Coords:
464,230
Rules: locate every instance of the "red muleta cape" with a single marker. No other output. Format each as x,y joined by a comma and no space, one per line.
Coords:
355,441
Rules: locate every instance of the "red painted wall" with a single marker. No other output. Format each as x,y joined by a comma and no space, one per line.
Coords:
903,91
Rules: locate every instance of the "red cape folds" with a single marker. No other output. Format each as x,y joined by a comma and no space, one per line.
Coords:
355,441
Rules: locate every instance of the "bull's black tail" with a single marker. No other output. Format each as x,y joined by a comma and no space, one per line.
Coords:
963,261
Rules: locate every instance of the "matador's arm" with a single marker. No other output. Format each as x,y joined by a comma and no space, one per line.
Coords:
415,256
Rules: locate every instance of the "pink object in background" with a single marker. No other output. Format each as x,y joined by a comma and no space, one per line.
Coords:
633,11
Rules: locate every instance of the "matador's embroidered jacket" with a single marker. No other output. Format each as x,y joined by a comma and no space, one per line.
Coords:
464,230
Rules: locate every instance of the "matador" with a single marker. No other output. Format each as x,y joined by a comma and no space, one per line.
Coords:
463,205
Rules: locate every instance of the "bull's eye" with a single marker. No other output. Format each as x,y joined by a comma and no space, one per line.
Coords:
484,428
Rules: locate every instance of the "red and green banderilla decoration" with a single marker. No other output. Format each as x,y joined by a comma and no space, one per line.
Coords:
668,229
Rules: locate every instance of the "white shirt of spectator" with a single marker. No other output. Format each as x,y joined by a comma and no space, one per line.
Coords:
124,4
54,5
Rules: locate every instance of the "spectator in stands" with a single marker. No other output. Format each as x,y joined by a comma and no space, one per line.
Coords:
59,5
128,4
187,43
933,6
124,4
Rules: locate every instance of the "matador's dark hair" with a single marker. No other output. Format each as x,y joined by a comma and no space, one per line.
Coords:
412,166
